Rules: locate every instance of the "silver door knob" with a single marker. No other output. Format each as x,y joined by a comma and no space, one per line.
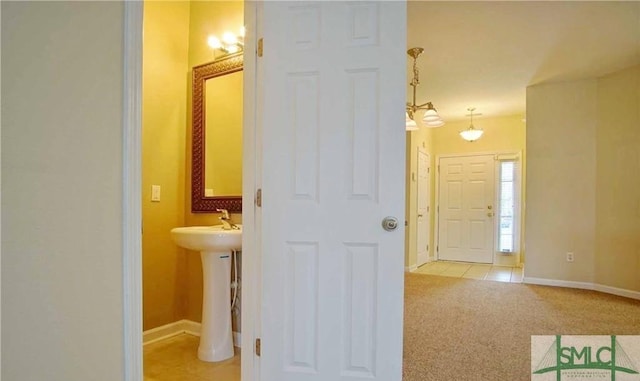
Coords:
389,223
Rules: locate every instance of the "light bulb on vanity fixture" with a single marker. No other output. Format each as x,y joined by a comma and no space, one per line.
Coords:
471,134
430,117
229,43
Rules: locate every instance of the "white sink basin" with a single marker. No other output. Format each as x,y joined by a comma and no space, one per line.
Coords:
215,246
207,238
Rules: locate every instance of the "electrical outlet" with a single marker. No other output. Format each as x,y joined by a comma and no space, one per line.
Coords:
569,256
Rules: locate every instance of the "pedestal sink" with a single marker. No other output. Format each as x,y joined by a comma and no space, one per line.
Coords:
215,245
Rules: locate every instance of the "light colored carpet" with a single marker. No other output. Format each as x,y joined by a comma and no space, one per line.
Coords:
471,330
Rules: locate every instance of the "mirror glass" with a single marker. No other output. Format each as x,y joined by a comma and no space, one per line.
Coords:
223,136
216,171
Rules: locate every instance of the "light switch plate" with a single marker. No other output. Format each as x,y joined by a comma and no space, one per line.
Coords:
155,193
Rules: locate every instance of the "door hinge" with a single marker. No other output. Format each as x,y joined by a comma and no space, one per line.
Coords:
259,197
258,347
438,248
427,248
260,47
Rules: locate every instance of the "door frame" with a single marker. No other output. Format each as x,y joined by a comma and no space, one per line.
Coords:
430,258
131,191
132,202
251,181
518,154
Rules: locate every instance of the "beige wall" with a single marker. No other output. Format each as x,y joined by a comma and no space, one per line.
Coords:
62,113
164,130
583,185
500,134
617,261
207,17
561,168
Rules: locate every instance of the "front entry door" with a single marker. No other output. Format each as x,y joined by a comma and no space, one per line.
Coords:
331,89
466,198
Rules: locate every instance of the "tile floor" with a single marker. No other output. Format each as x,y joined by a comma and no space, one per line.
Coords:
176,359
472,271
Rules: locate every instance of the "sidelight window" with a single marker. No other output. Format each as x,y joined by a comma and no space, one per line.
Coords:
507,213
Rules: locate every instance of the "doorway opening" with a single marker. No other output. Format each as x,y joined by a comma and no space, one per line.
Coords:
191,148
474,204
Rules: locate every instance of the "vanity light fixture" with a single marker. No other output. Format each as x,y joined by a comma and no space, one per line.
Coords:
229,43
471,134
431,117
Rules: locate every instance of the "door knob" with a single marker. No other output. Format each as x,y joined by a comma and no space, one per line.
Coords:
420,215
389,223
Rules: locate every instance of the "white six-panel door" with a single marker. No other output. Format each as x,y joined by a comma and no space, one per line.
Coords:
331,100
423,208
465,216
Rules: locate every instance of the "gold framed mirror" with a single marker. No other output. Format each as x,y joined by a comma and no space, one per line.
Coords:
216,166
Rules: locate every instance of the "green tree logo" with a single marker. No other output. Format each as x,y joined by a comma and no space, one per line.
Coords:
611,358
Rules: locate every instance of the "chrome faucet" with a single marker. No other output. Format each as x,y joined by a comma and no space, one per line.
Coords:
225,219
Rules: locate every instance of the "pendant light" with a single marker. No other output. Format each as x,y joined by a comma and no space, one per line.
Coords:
410,124
430,117
471,134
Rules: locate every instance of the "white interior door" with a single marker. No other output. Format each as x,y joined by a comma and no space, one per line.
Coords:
465,217
331,100
423,225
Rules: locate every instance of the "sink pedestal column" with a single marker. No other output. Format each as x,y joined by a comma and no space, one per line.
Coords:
216,341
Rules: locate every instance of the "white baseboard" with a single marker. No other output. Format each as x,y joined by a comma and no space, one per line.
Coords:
618,291
411,268
168,330
584,286
558,283
176,328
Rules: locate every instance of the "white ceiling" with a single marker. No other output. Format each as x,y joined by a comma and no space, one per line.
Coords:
485,54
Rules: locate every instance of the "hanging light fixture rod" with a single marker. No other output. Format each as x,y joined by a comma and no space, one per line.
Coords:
472,114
